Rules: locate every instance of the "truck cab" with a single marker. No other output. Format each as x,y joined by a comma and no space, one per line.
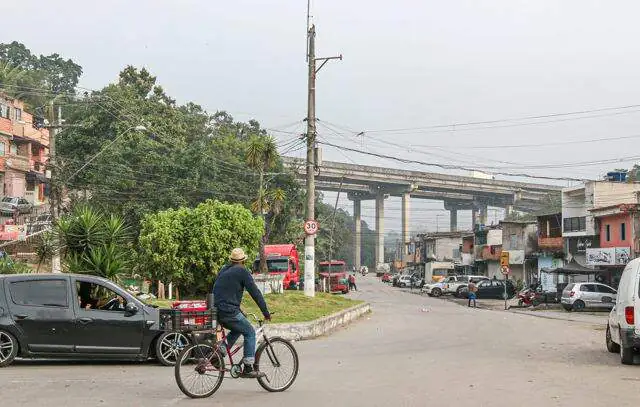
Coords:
336,272
282,259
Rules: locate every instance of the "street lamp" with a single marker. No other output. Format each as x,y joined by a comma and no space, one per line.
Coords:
103,149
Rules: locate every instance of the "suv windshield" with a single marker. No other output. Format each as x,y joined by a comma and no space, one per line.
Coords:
7,199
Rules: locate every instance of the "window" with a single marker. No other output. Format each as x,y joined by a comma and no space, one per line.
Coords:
96,297
575,224
623,231
4,111
604,289
18,114
514,240
40,293
13,149
608,233
2,149
589,288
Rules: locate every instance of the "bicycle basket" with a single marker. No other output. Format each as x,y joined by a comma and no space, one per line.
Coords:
187,320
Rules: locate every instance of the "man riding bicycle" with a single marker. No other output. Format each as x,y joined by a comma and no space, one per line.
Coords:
228,289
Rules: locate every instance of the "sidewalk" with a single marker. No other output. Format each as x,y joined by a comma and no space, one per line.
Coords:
552,311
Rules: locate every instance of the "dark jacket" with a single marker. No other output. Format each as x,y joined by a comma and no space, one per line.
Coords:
229,287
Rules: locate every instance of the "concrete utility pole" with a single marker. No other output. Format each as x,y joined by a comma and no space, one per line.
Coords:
54,128
309,243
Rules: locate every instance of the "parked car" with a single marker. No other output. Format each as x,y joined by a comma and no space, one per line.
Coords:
405,280
10,205
495,289
77,316
622,334
578,296
456,285
386,278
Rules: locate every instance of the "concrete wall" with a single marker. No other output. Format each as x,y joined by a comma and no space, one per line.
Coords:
615,230
445,248
519,236
493,269
614,193
308,330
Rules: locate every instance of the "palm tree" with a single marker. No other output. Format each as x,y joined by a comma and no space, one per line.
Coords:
262,155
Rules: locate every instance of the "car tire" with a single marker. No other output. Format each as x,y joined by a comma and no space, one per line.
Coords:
436,292
578,305
459,292
567,308
8,348
611,345
168,347
402,285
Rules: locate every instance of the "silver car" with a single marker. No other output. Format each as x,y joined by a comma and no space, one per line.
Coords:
578,296
10,205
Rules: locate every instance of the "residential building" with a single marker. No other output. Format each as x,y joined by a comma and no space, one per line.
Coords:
550,250
579,228
487,250
24,152
520,240
619,233
441,253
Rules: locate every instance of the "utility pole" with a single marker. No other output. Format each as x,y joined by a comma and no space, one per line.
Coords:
309,243
54,128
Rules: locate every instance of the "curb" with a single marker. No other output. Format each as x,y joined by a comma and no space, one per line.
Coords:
299,331
537,315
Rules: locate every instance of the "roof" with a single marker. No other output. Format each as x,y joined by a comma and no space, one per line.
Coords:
521,222
436,235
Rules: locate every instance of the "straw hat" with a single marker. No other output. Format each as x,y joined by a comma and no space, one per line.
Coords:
237,255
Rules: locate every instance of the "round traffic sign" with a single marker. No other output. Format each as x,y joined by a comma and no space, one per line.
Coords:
311,227
505,270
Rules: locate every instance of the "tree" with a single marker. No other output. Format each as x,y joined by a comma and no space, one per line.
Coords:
262,156
189,246
95,242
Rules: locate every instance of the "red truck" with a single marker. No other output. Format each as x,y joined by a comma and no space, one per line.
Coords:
338,279
282,259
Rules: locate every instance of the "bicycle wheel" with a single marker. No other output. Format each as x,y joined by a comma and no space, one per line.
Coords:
278,360
199,371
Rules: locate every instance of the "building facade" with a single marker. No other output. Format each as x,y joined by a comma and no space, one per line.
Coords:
24,151
520,240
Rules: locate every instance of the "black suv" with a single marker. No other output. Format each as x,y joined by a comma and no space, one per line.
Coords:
79,316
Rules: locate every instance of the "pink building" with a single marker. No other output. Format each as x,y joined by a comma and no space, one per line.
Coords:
23,152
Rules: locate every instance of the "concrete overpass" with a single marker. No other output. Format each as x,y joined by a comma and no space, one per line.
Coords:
362,182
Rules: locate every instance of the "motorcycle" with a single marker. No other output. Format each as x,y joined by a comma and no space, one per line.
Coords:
529,297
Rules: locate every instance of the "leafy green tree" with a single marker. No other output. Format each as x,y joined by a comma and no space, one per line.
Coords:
189,246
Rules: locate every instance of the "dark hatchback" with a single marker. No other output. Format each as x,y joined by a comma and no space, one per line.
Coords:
495,289
74,316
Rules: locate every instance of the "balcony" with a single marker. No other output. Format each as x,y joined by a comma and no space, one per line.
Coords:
550,243
18,162
27,131
485,252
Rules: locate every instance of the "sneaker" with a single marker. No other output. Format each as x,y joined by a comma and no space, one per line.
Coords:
248,372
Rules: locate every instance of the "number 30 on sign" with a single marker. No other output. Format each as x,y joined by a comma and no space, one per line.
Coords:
311,227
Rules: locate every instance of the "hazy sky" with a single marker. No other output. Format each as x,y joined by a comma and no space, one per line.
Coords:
406,64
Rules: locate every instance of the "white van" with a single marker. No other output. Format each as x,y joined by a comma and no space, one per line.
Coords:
623,328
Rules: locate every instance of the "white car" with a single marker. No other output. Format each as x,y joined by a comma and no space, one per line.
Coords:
434,289
404,281
623,332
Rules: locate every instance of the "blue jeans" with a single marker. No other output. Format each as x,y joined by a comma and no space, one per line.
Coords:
239,325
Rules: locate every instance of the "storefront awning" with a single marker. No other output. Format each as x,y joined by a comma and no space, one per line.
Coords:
33,176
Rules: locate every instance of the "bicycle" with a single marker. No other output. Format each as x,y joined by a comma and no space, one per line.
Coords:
200,367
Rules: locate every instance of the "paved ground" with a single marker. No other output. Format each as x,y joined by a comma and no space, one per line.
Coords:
412,351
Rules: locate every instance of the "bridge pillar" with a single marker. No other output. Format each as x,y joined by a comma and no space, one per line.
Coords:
357,236
380,197
482,214
405,222
453,220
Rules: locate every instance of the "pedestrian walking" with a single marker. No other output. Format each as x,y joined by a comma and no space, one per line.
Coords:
473,289
352,282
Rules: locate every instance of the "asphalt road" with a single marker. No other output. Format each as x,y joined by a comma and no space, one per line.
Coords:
411,351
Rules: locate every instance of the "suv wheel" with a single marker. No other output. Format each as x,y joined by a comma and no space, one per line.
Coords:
436,292
460,292
611,345
8,348
168,347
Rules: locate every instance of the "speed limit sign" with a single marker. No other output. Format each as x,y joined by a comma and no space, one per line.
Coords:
311,227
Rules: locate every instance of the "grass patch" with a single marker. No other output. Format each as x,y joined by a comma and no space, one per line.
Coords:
294,306
291,306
